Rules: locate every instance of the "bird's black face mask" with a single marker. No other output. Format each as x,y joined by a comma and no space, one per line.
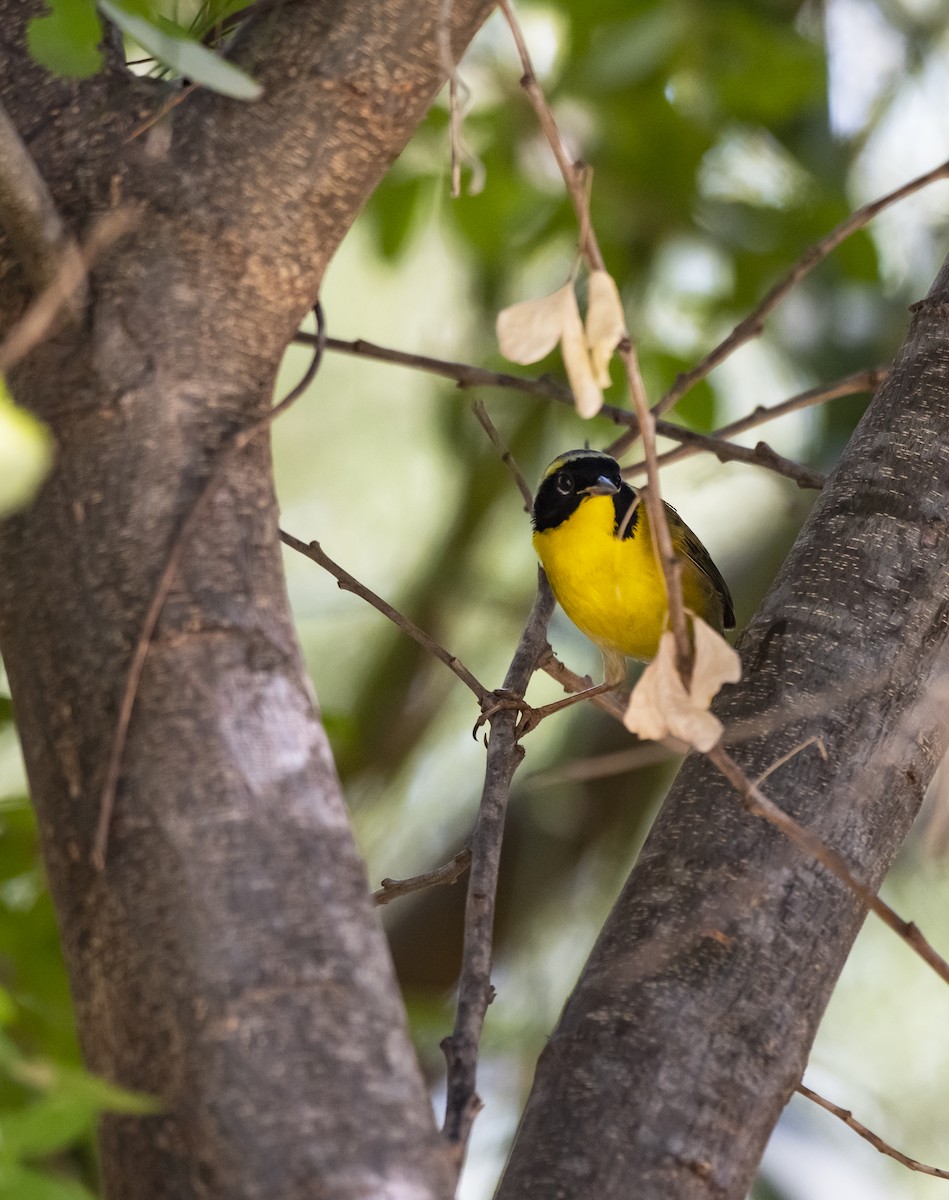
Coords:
571,478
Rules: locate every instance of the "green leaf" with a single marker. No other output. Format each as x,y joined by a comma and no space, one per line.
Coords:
79,1086
6,711
7,1007
173,47
25,453
45,1127
27,1184
67,39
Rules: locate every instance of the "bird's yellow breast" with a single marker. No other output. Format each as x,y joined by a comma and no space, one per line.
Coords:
612,590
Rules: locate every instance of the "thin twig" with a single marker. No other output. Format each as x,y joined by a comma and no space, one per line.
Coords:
467,376
805,839
850,385
507,457
450,68
669,561
451,872
171,103
474,986
349,583
761,455
29,215
814,740
575,174
224,458
604,766
64,290
753,324
570,681
869,1136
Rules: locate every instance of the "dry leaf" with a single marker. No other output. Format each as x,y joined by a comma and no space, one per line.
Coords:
660,707
573,344
715,663
605,325
529,331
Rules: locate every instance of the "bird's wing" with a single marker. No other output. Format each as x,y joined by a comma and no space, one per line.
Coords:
685,542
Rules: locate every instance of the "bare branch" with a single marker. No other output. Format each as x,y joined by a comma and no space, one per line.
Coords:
451,872
753,324
761,455
669,561
507,457
605,766
575,174
869,1136
239,442
474,987
609,702
64,289
28,214
468,376
759,805
349,583
859,381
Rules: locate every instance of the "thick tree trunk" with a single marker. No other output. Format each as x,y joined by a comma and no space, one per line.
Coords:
692,1021
227,960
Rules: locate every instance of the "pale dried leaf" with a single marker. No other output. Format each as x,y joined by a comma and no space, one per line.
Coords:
715,663
576,360
659,688
529,331
660,707
605,325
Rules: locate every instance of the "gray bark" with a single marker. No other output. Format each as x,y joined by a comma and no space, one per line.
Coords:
228,960
692,1021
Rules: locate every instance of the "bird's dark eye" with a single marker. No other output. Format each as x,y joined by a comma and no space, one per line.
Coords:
565,484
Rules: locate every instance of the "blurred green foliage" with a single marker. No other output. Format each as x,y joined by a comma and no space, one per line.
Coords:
725,139
68,37
25,453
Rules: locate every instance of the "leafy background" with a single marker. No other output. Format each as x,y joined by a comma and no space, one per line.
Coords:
725,139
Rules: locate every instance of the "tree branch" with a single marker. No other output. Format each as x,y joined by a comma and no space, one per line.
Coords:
66,288
29,215
225,457
349,583
859,381
807,841
474,987
753,324
868,1135
707,983
451,872
468,376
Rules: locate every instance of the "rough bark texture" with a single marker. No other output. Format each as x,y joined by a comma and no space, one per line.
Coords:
692,1021
227,960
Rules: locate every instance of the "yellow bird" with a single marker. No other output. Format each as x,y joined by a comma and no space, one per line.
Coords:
593,539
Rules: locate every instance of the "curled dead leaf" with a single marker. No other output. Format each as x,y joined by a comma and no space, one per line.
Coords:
660,705
605,324
528,331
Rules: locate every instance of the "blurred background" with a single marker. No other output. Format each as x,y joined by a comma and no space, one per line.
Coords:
725,139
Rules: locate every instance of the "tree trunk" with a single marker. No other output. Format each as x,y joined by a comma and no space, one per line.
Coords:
692,1021
227,960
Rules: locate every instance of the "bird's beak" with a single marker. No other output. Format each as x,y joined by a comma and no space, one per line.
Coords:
602,487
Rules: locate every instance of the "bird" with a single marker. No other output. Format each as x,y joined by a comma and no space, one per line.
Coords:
592,537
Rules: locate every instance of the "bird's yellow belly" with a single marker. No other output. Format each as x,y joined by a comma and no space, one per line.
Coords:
612,590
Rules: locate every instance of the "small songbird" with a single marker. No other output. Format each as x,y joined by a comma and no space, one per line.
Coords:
592,536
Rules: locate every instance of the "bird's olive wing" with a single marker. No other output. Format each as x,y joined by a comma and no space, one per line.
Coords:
685,542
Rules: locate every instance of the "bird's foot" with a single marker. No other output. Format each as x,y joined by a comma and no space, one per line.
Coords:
505,701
